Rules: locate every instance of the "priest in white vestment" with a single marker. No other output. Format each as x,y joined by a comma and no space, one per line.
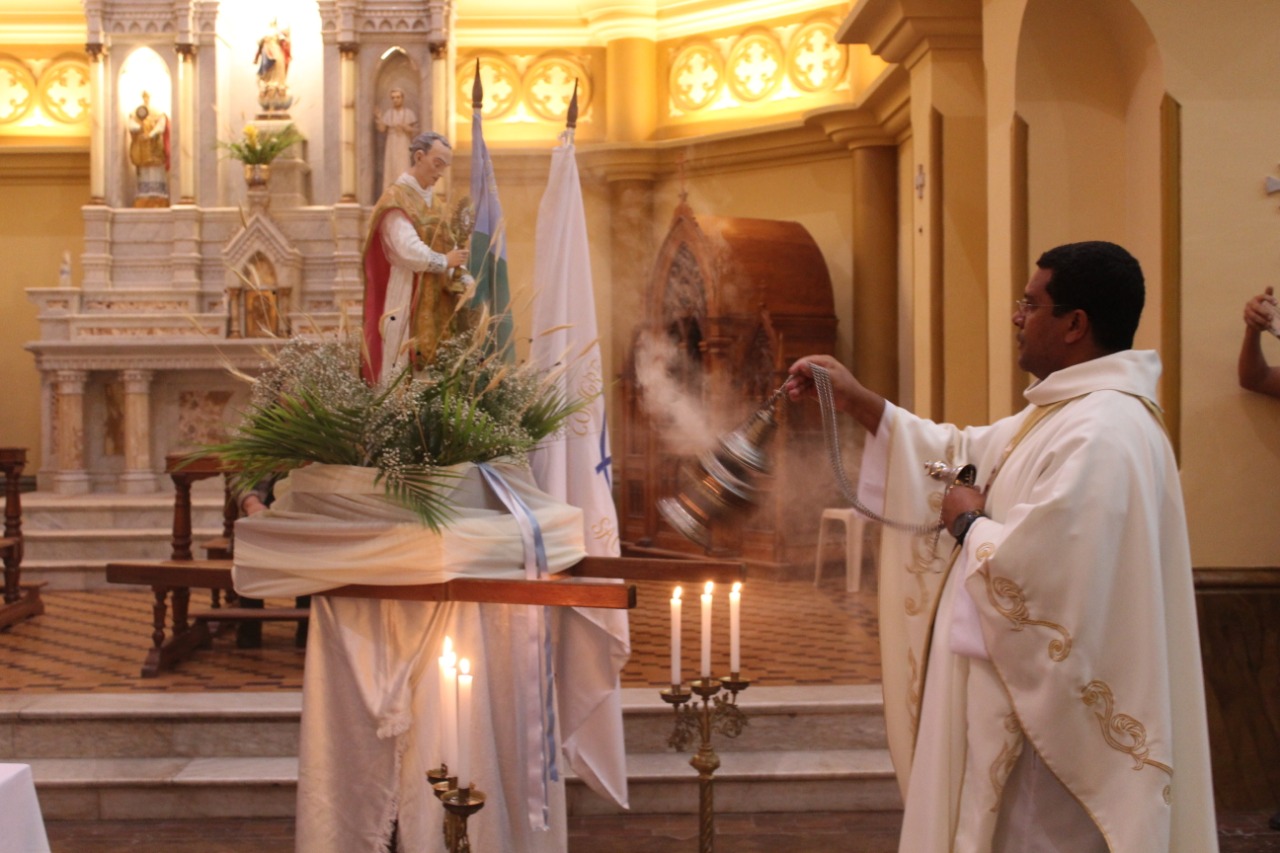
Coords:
1042,675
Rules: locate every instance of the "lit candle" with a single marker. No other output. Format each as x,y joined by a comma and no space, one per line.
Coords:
735,625
449,706
464,723
675,639
706,630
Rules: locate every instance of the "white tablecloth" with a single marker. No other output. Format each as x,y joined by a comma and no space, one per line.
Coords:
370,725
21,826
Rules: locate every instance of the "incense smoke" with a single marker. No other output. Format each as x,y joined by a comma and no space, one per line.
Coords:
679,419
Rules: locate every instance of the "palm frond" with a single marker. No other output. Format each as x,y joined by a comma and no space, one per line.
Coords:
421,488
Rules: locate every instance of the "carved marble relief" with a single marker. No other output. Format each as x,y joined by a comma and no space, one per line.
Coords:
201,417
113,422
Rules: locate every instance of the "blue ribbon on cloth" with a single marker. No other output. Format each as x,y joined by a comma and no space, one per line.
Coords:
542,767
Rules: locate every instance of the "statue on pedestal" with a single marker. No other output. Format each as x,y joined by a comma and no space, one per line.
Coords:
149,153
400,124
273,56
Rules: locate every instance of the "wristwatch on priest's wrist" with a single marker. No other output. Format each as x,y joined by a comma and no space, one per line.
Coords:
962,522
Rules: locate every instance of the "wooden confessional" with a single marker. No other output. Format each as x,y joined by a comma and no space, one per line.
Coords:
739,300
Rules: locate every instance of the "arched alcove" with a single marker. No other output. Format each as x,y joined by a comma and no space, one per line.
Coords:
1090,85
395,72
144,89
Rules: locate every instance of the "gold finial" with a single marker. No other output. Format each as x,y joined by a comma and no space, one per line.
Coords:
477,89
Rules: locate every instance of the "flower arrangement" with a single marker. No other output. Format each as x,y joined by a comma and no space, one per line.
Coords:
258,147
311,406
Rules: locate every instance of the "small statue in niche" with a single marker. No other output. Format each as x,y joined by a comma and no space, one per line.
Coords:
64,271
400,124
273,57
149,153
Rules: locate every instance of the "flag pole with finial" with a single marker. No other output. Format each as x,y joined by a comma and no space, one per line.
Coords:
477,89
571,121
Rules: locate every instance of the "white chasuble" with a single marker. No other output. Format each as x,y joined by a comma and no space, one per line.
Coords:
1062,637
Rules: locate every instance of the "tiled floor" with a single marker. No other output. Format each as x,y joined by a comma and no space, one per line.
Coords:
792,633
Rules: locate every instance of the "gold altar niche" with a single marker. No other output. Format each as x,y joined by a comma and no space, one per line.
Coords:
737,301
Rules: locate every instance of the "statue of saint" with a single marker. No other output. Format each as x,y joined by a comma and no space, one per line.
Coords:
410,296
400,124
273,56
149,153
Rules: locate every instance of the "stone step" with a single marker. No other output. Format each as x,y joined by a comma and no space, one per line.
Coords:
104,545
45,511
149,725
248,786
152,756
193,725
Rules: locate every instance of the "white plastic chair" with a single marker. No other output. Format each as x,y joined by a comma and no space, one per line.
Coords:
855,528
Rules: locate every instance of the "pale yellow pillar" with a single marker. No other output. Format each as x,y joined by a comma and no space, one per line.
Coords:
441,102
631,83
875,268
186,125
947,326
347,124
97,123
631,253
138,477
71,478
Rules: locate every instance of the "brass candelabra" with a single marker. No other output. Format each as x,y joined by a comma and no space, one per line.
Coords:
712,713
459,804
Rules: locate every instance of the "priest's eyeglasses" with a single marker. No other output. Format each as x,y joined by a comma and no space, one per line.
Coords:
1026,306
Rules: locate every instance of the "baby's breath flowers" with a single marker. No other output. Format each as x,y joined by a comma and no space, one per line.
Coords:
310,405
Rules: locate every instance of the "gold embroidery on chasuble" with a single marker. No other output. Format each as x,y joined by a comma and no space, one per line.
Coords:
435,297
1003,765
1120,731
1010,601
914,692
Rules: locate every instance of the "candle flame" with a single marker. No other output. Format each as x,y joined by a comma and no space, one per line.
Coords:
675,596
737,586
464,666
709,587
448,645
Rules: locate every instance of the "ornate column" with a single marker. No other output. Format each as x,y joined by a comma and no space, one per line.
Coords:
97,122
138,477
347,126
71,477
186,124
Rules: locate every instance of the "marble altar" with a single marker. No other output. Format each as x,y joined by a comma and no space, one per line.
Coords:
134,356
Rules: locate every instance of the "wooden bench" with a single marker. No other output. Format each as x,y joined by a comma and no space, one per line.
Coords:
21,601
172,580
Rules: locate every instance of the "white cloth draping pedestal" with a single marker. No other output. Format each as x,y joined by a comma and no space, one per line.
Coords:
370,727
21,826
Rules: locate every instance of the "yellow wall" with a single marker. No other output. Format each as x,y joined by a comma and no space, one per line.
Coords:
1222,69
39,220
